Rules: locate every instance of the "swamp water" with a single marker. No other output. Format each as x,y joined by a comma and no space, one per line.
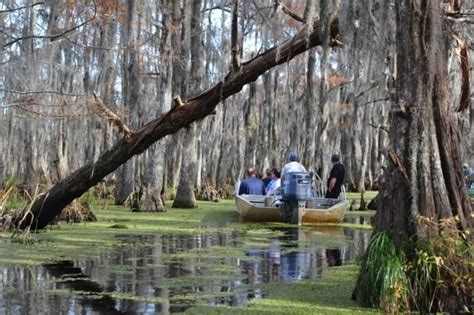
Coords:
171,272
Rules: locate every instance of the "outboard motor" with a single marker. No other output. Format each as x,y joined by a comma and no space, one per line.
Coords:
295,191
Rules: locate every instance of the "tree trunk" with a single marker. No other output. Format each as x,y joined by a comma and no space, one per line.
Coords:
151,199
174,145
30,178
131,88
310,100
185,193
49,205
424,178
250,126
323,149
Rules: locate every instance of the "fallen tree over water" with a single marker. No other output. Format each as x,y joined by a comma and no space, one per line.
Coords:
50,204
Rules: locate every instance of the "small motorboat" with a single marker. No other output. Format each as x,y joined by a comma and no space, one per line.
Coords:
295,202
256,208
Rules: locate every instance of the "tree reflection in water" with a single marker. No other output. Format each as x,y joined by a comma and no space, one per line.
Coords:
169,273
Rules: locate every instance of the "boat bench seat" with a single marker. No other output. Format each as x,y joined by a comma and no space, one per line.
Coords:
261,201
323,203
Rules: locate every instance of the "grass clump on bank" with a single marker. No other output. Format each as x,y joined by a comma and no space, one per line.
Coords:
428,275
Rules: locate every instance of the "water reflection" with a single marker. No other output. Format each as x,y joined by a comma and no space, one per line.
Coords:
169,273
362,219
304,253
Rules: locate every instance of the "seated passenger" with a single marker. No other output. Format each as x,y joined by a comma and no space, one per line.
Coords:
275,183
252,185
268,177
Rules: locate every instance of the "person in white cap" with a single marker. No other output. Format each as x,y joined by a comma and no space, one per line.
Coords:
292,166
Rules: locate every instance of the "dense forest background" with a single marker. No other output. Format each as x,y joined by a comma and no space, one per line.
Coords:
136,56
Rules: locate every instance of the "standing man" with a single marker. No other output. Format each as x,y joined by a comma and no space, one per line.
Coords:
292,166
252,185
336,177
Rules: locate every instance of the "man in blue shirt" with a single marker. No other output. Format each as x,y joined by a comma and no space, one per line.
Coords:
252,185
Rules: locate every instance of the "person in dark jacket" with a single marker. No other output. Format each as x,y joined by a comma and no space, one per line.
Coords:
268,177
252,185
336,177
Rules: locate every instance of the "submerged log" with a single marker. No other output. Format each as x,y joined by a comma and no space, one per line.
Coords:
51,203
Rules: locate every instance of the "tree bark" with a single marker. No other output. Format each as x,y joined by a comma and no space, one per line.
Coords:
185,193
310,105
50,204
131,89
174,145
323,149
185,197
154,175
424,178
30,179
234,37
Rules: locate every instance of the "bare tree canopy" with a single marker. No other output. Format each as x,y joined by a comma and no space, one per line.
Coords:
50,204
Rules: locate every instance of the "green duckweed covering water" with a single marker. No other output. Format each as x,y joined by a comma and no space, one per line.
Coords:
87,241
329,295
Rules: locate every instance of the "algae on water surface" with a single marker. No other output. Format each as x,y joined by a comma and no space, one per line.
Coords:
185,260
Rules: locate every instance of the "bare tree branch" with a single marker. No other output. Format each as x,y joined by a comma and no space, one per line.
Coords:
21,8
38,92
223,7
383,99
113,118
53,36
50,204
287,11
34,112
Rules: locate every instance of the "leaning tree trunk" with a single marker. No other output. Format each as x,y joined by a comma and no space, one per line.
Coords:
424,178
50,204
